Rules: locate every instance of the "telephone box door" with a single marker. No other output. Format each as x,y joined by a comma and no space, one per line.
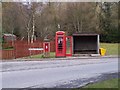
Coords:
68,46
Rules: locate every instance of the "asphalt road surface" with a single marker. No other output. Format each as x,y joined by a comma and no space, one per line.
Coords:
54,73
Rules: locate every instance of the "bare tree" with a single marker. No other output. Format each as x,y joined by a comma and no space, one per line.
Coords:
27,19
29,13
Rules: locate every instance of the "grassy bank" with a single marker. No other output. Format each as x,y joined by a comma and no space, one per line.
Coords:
112,83
111,48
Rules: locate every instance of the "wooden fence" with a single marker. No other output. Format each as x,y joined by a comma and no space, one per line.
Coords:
7,54
21,49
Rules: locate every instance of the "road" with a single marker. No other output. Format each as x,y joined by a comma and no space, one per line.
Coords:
54,73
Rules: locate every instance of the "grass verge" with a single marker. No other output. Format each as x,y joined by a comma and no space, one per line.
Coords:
112,83
111,48
52,55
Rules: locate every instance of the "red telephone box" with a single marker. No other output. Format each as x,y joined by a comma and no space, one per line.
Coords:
60,44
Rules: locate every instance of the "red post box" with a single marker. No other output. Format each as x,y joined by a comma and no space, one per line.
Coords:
60,40
46,47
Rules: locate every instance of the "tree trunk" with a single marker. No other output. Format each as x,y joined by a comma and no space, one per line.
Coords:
28,37
78,25
75,26
33,29
81,25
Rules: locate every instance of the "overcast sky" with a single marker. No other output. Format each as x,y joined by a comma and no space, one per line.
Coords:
61,0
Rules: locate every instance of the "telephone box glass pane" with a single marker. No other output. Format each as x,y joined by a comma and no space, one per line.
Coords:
60,44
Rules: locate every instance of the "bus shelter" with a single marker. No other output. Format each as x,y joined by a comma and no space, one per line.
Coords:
85,43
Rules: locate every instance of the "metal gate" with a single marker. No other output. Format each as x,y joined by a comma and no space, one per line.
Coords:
68,45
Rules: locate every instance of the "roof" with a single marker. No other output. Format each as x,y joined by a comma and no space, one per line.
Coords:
9,35
83,34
